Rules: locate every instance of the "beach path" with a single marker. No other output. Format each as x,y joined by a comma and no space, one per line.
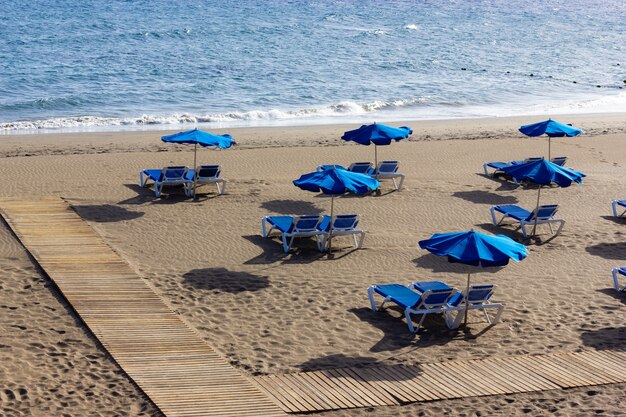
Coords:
173,366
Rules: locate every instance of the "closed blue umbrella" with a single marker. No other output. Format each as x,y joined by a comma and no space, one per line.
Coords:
544,172
335,182
378,134
199,137
551,128
474,248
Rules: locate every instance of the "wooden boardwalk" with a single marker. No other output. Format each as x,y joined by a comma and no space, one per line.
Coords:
183,376
335,389
180,373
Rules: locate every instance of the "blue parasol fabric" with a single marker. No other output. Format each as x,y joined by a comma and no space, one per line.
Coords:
550,127
201,138
337,181
474,248
377,133
544,172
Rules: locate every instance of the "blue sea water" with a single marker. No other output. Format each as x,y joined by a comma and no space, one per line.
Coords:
103,64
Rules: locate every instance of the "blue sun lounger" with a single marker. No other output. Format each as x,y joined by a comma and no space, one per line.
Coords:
434,300
616,272
291,227
388,170
545,215
479,299
358,167
343,225
206,174
497,166
618,203
168,176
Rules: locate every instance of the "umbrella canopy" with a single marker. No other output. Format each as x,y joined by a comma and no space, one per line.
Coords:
474,248
334,182
378,134
550,127
337,181
201,138
197,137
544,172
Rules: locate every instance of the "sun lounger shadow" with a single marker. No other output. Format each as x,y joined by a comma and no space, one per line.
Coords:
484,197
620,295
106,213
505,184
305,253
614,251
223,280
607,338
395,335
618,220
516,235
145,195
291,207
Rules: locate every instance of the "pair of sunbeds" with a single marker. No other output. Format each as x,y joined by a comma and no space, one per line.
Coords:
181,175
497,166
385,170
436,297
312,225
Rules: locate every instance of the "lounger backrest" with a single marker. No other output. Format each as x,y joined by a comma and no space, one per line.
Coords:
306,223
360,167
345,222
434,298
480,293
559,160
545,212
174,172
209,171
533,159
387,167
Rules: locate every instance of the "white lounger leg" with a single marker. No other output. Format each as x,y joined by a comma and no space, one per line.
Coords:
401,182
142,181
158,187
492,210
370,294
264,226
618,287
614,205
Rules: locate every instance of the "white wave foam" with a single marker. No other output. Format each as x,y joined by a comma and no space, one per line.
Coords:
333,110
412,27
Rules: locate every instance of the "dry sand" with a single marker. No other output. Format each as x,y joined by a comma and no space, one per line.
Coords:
271,313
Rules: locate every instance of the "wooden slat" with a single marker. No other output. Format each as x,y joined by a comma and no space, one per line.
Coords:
180,373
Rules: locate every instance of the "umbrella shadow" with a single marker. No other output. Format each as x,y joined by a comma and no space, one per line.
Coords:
223,280
619,220
440,264
337,360
105,213
297,207
360,365
619,295
607,338
613,251
485,197
505,184
305,253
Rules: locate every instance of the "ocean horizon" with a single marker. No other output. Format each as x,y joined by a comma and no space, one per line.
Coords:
125,65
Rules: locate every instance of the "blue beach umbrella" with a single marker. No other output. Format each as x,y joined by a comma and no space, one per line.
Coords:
544,172
551,128
378,134
199,137
335,182
474,248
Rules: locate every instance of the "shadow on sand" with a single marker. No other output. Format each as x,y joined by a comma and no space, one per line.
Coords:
105,213
296,207
485,197
614,251
223,280
607,338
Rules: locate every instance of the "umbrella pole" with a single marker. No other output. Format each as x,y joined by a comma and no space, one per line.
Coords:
549,142
466,300
330,229
195,170
536,211
376,160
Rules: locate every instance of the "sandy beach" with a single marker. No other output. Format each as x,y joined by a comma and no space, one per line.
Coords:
271,313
